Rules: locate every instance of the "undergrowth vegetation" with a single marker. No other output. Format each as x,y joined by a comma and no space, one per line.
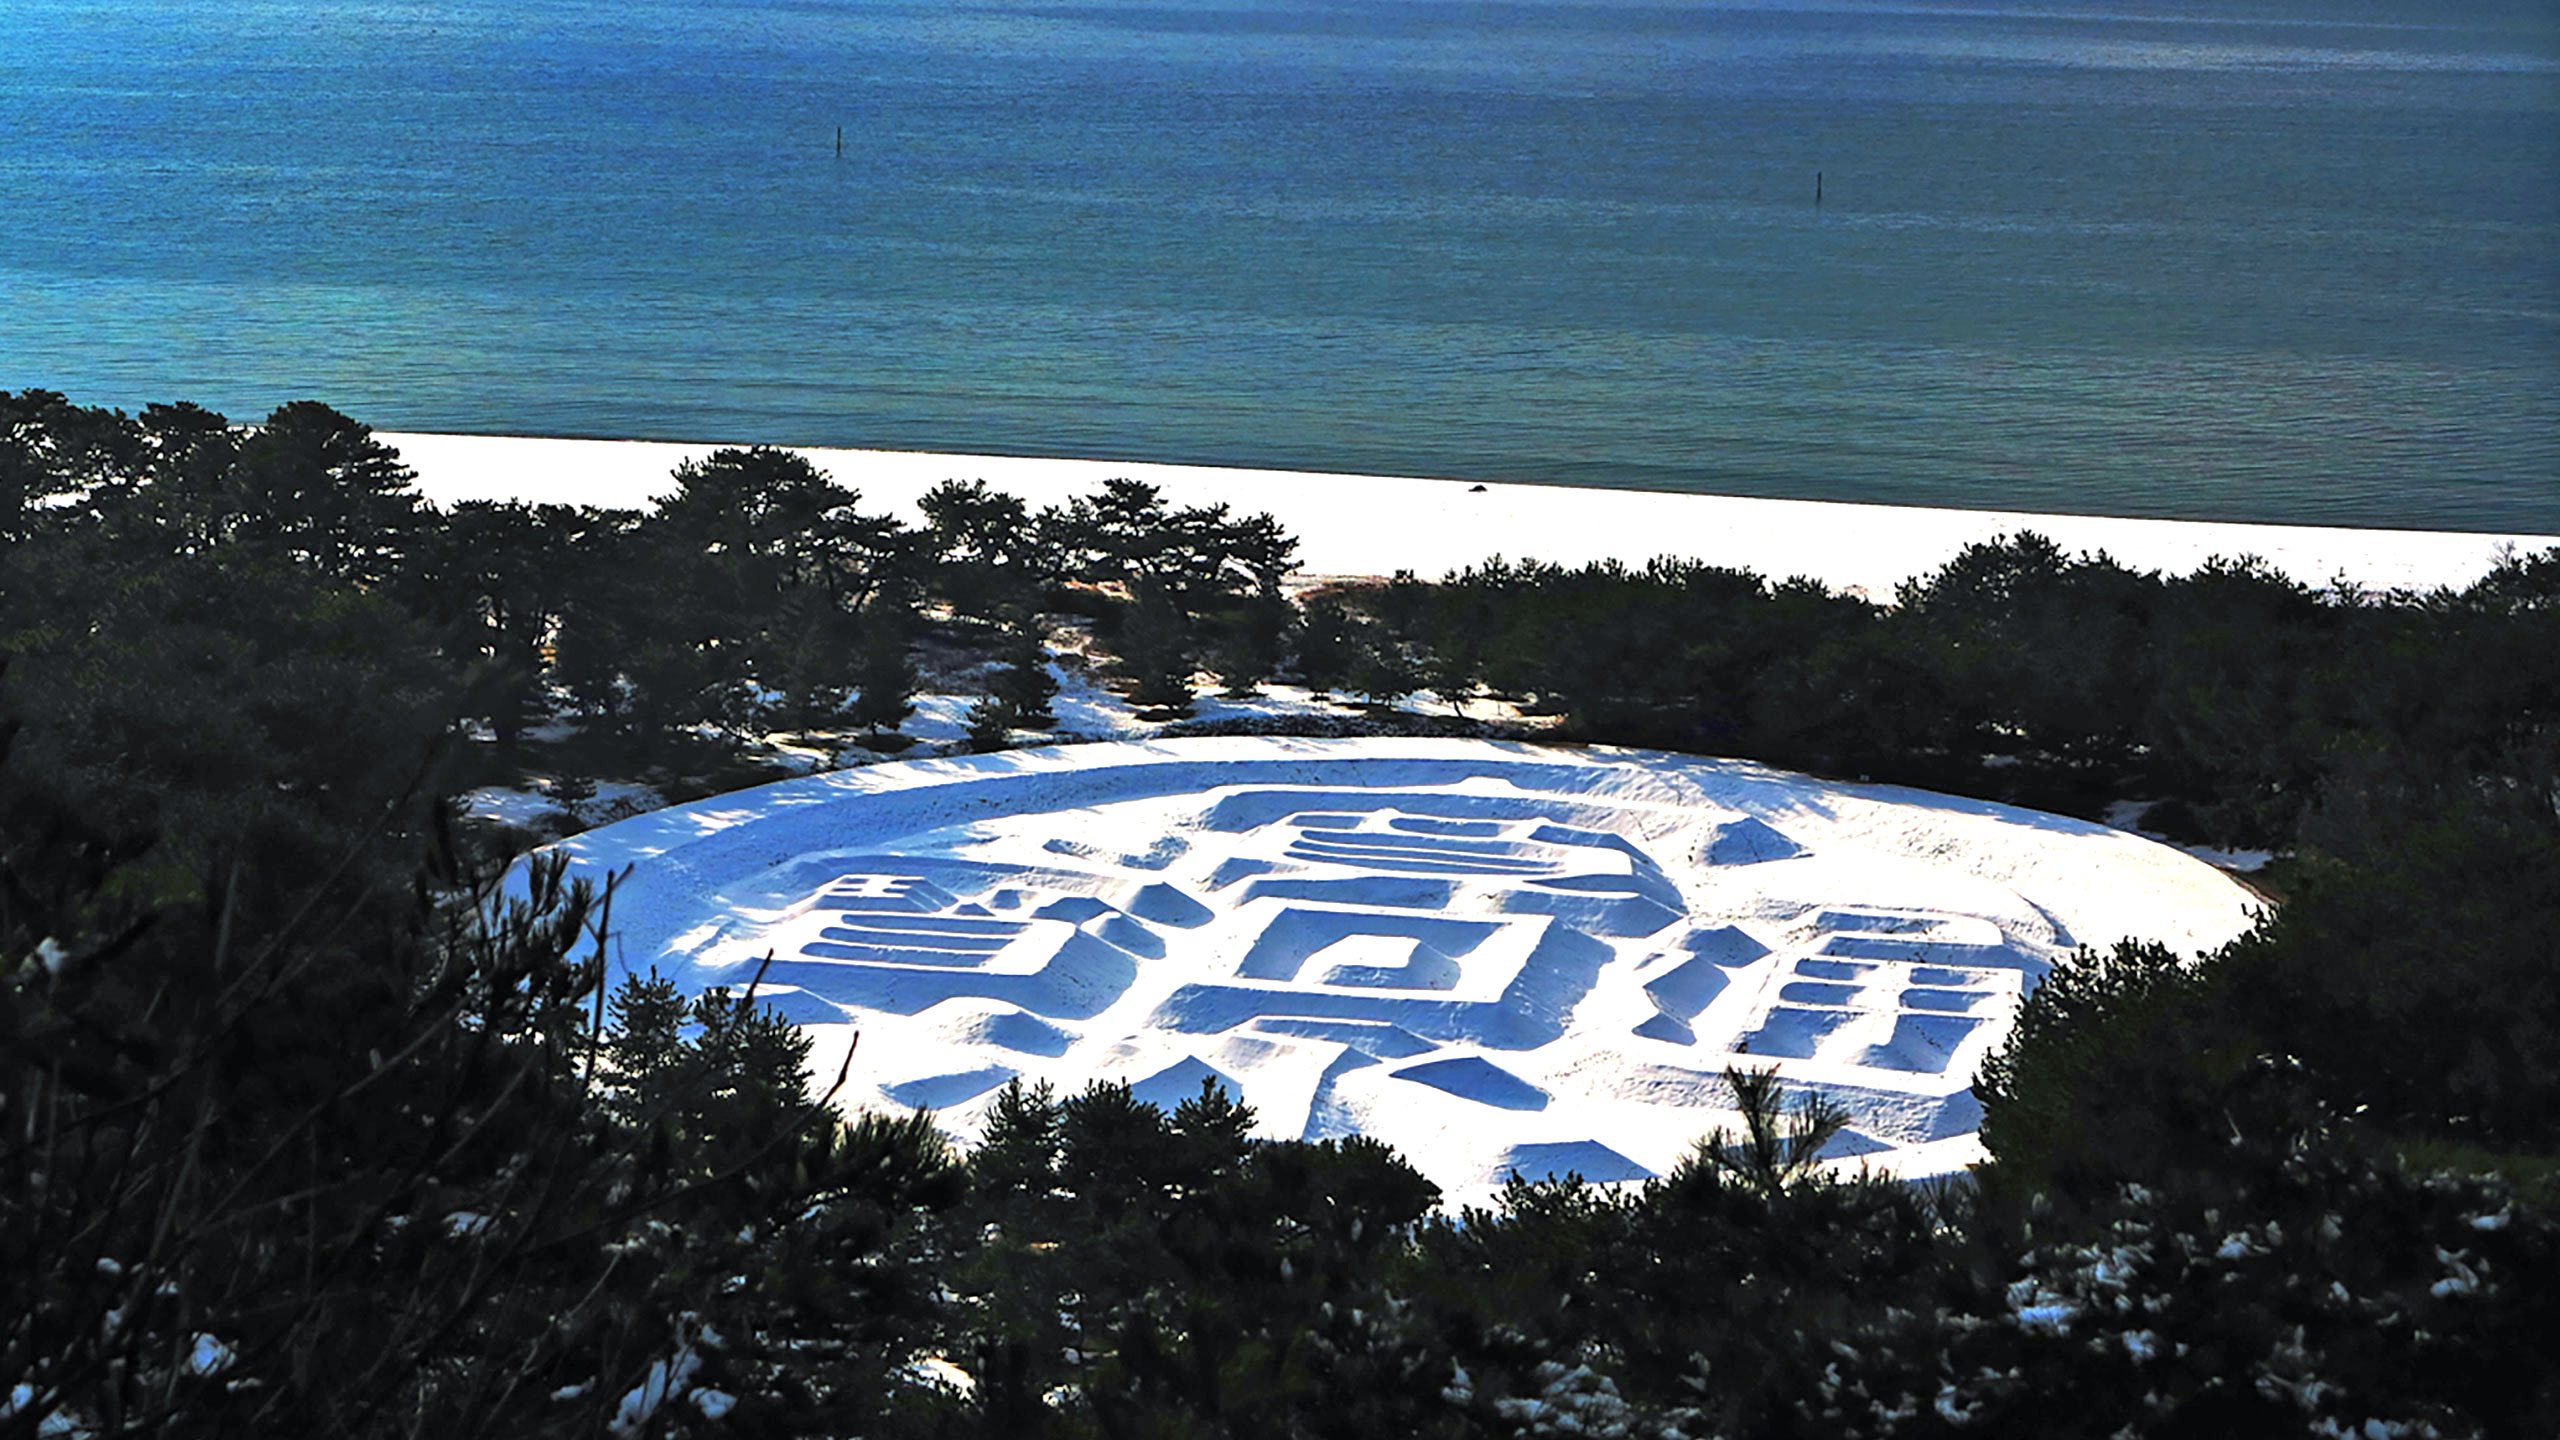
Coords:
302,1131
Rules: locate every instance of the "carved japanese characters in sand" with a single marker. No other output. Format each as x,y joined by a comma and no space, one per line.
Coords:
1492,960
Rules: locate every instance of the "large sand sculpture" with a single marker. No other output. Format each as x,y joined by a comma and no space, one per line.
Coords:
1496,957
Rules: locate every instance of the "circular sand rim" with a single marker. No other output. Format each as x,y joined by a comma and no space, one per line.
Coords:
1496,957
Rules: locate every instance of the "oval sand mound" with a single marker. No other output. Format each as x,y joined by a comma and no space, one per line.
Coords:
1493,956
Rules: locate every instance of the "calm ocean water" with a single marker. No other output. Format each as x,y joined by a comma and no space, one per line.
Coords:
2278,260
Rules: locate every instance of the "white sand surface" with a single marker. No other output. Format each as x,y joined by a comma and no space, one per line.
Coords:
1374,525
1494,956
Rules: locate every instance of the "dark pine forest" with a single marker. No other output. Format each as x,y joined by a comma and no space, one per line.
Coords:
303,1131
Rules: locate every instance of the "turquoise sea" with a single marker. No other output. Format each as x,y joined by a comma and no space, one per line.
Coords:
2276,260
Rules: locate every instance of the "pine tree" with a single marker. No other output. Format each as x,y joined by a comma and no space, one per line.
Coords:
886,673
808,655
1780,1147
1327,646
50,448
314,488
991,724
987,559
1156,651
1255,640
1385,672
1022,679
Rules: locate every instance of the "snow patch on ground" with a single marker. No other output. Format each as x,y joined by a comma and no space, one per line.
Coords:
1493,955
2126,815
538,807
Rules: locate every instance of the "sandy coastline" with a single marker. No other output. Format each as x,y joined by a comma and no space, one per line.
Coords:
1374,525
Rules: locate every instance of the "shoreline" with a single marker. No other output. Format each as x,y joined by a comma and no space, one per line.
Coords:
1366,525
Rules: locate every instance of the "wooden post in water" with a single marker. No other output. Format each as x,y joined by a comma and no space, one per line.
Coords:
840,142
1817,179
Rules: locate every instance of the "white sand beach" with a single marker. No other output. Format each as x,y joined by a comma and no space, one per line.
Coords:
1376,525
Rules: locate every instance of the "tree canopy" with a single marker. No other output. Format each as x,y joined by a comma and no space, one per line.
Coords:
308,1124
